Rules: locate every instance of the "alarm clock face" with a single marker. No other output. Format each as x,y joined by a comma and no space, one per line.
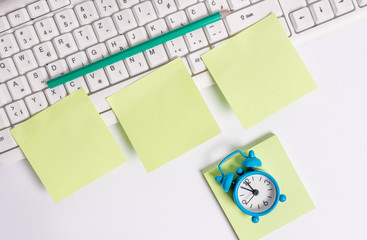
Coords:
257,193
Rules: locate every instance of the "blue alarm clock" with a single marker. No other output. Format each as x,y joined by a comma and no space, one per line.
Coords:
255,192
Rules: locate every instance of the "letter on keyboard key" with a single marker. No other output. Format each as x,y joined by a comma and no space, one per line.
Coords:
38,8
77,60
17,111
4,121
341,7
38,79
177,20
164,7
4,95
45,53
18,17
157,28
125,20
6,140
196,39
76,84
106,7
196,63
7,69
25,61
96,80
57,68
4,24
65,45
85,37
18,87
156,56
117,72
217,5
86,12
117,44
216,31
46,29
26,37
136,64
137,36
55,94
301,19
66,21
36,102
97,52
176,47
56,4
105,29
8,46
197,11
144,12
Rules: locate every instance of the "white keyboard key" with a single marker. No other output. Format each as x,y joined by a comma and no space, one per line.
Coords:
176,47
86,12
238,4
106,7
127,3
56,4
177,20
5,97
196,39
26,37
285,26
8,46
6,140
18,17
17,111
7,69
117,44
137,36
156,56
136,64
4,24
290,6
245,17
216,31
65,45
342,6
144,12
18,87
36,102
124,20
96,80
46,29
57,68
217,5
55,94
321,11
361,3
85,37
37,79
181,4
117,72
105,29
197,11
77,60
76,84
97,52
38,8
302,19
66,21
45,53
156,28
4,121
25,61
196,63
164,7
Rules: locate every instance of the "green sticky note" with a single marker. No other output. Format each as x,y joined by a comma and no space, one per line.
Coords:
275,162
164,115
259,71
68,145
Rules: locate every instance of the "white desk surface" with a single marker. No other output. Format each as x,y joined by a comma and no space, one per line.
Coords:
324,133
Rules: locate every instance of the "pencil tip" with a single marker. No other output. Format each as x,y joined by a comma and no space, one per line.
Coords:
225,13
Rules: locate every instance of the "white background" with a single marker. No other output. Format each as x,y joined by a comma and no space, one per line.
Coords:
324,133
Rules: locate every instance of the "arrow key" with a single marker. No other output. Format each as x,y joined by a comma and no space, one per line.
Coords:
321,11
302,19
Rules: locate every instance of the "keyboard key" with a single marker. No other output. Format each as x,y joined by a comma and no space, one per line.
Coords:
105,29
86,12
8,45
77,60
156,28
36,102
117,72
144,12
4,121
57,68
216,31
26,37
6,140
18,17
156,56
137,36
38,8
25,61
85,37
176,47
181,4
238,4
76,84
5,97
55,94
217,5
302,19
321,11
127,3
18,87
106,7
177,20
17,111
46,29
196,63
136,64
45,53
97,52
361,3
96,80
56,4
164,7
7,69
65,45
66,21
117,44
4,24
196,39
342,6
125,20
37,79
197,11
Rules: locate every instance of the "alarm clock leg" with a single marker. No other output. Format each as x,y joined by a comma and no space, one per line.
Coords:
255,219
282,198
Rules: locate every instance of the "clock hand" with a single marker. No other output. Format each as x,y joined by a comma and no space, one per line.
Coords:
247,189
248,184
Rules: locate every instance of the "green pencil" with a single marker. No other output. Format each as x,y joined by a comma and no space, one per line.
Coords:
136,49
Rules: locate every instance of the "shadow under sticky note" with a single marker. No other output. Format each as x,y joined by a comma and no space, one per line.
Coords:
164,115
275,162
259,71
68,145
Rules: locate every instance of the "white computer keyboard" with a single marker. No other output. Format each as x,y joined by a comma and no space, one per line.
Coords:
40,40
